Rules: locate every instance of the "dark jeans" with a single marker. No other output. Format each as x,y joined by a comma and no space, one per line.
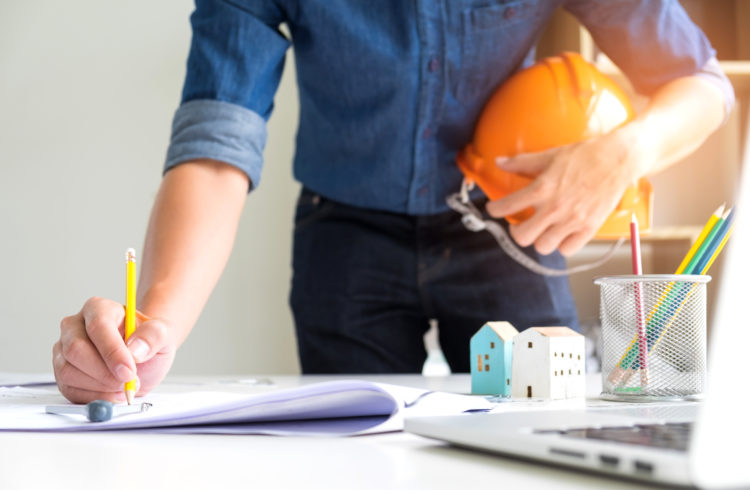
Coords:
366,283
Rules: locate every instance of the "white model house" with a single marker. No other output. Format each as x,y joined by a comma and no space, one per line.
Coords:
549,362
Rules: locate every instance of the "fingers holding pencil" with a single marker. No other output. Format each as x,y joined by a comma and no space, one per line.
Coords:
90,355
92,361
153,349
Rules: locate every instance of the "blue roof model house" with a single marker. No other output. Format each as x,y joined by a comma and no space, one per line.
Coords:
491,359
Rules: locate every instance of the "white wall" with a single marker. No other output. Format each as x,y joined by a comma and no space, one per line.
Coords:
87,93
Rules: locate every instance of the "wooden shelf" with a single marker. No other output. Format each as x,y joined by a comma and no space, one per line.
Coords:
673,233
739,74
660,234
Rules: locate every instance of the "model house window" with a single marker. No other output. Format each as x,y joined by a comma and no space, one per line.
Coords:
492,345
531,345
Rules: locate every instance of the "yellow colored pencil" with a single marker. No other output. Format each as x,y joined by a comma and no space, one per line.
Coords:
129,311
699,241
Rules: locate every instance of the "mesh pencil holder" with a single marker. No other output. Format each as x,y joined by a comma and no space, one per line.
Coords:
653,336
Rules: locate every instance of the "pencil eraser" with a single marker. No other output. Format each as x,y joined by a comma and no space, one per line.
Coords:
99,410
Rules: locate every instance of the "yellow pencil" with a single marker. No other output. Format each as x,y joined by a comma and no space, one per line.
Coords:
129,311
699,241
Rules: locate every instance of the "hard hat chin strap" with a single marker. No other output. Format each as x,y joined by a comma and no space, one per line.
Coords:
471,217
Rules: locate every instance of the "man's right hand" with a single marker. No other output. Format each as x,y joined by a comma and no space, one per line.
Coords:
92,361
194,221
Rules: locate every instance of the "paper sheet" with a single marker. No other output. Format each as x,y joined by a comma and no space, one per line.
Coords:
27,380
346,407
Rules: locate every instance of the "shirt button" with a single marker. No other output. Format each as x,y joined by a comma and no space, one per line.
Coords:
426,133
433,65
509,13
422,191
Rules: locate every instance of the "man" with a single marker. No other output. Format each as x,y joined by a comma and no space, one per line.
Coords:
389,91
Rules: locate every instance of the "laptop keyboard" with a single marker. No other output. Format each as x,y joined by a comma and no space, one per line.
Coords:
666,436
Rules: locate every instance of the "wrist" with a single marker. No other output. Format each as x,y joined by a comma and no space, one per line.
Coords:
158,303
635,149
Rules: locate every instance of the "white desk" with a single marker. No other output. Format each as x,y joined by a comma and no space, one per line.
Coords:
112,460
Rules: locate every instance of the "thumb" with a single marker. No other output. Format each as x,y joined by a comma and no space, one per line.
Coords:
531,164
148,339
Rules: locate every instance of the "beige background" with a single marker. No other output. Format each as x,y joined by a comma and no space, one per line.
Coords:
87,93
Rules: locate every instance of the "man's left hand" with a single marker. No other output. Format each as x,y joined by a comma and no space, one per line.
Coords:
575,188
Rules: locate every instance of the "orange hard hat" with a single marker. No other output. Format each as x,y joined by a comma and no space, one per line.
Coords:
557,101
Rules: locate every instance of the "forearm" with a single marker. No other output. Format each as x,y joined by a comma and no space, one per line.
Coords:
678,119
188,242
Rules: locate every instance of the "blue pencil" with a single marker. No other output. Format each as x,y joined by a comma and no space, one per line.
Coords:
717,239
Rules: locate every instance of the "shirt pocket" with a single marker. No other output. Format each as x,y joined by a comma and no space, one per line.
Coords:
493,42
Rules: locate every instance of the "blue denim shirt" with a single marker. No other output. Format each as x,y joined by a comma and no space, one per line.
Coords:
390,90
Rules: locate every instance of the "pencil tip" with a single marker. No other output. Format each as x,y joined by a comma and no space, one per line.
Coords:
129,395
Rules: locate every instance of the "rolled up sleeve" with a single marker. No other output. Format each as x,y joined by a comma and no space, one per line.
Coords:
712,72
233,70
652,41
220,131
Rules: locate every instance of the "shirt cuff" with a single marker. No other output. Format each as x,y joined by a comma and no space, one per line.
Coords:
712,72
218,131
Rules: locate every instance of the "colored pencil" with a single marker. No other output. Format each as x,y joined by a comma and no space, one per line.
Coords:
717,239
691,268
719,249
715,216
698,260
635,256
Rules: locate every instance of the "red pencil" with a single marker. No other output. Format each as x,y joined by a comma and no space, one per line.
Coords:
635,254
635,246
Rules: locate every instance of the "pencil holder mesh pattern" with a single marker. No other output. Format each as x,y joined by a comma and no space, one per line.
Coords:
653,336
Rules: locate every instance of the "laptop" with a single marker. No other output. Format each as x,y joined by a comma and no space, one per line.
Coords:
704,444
